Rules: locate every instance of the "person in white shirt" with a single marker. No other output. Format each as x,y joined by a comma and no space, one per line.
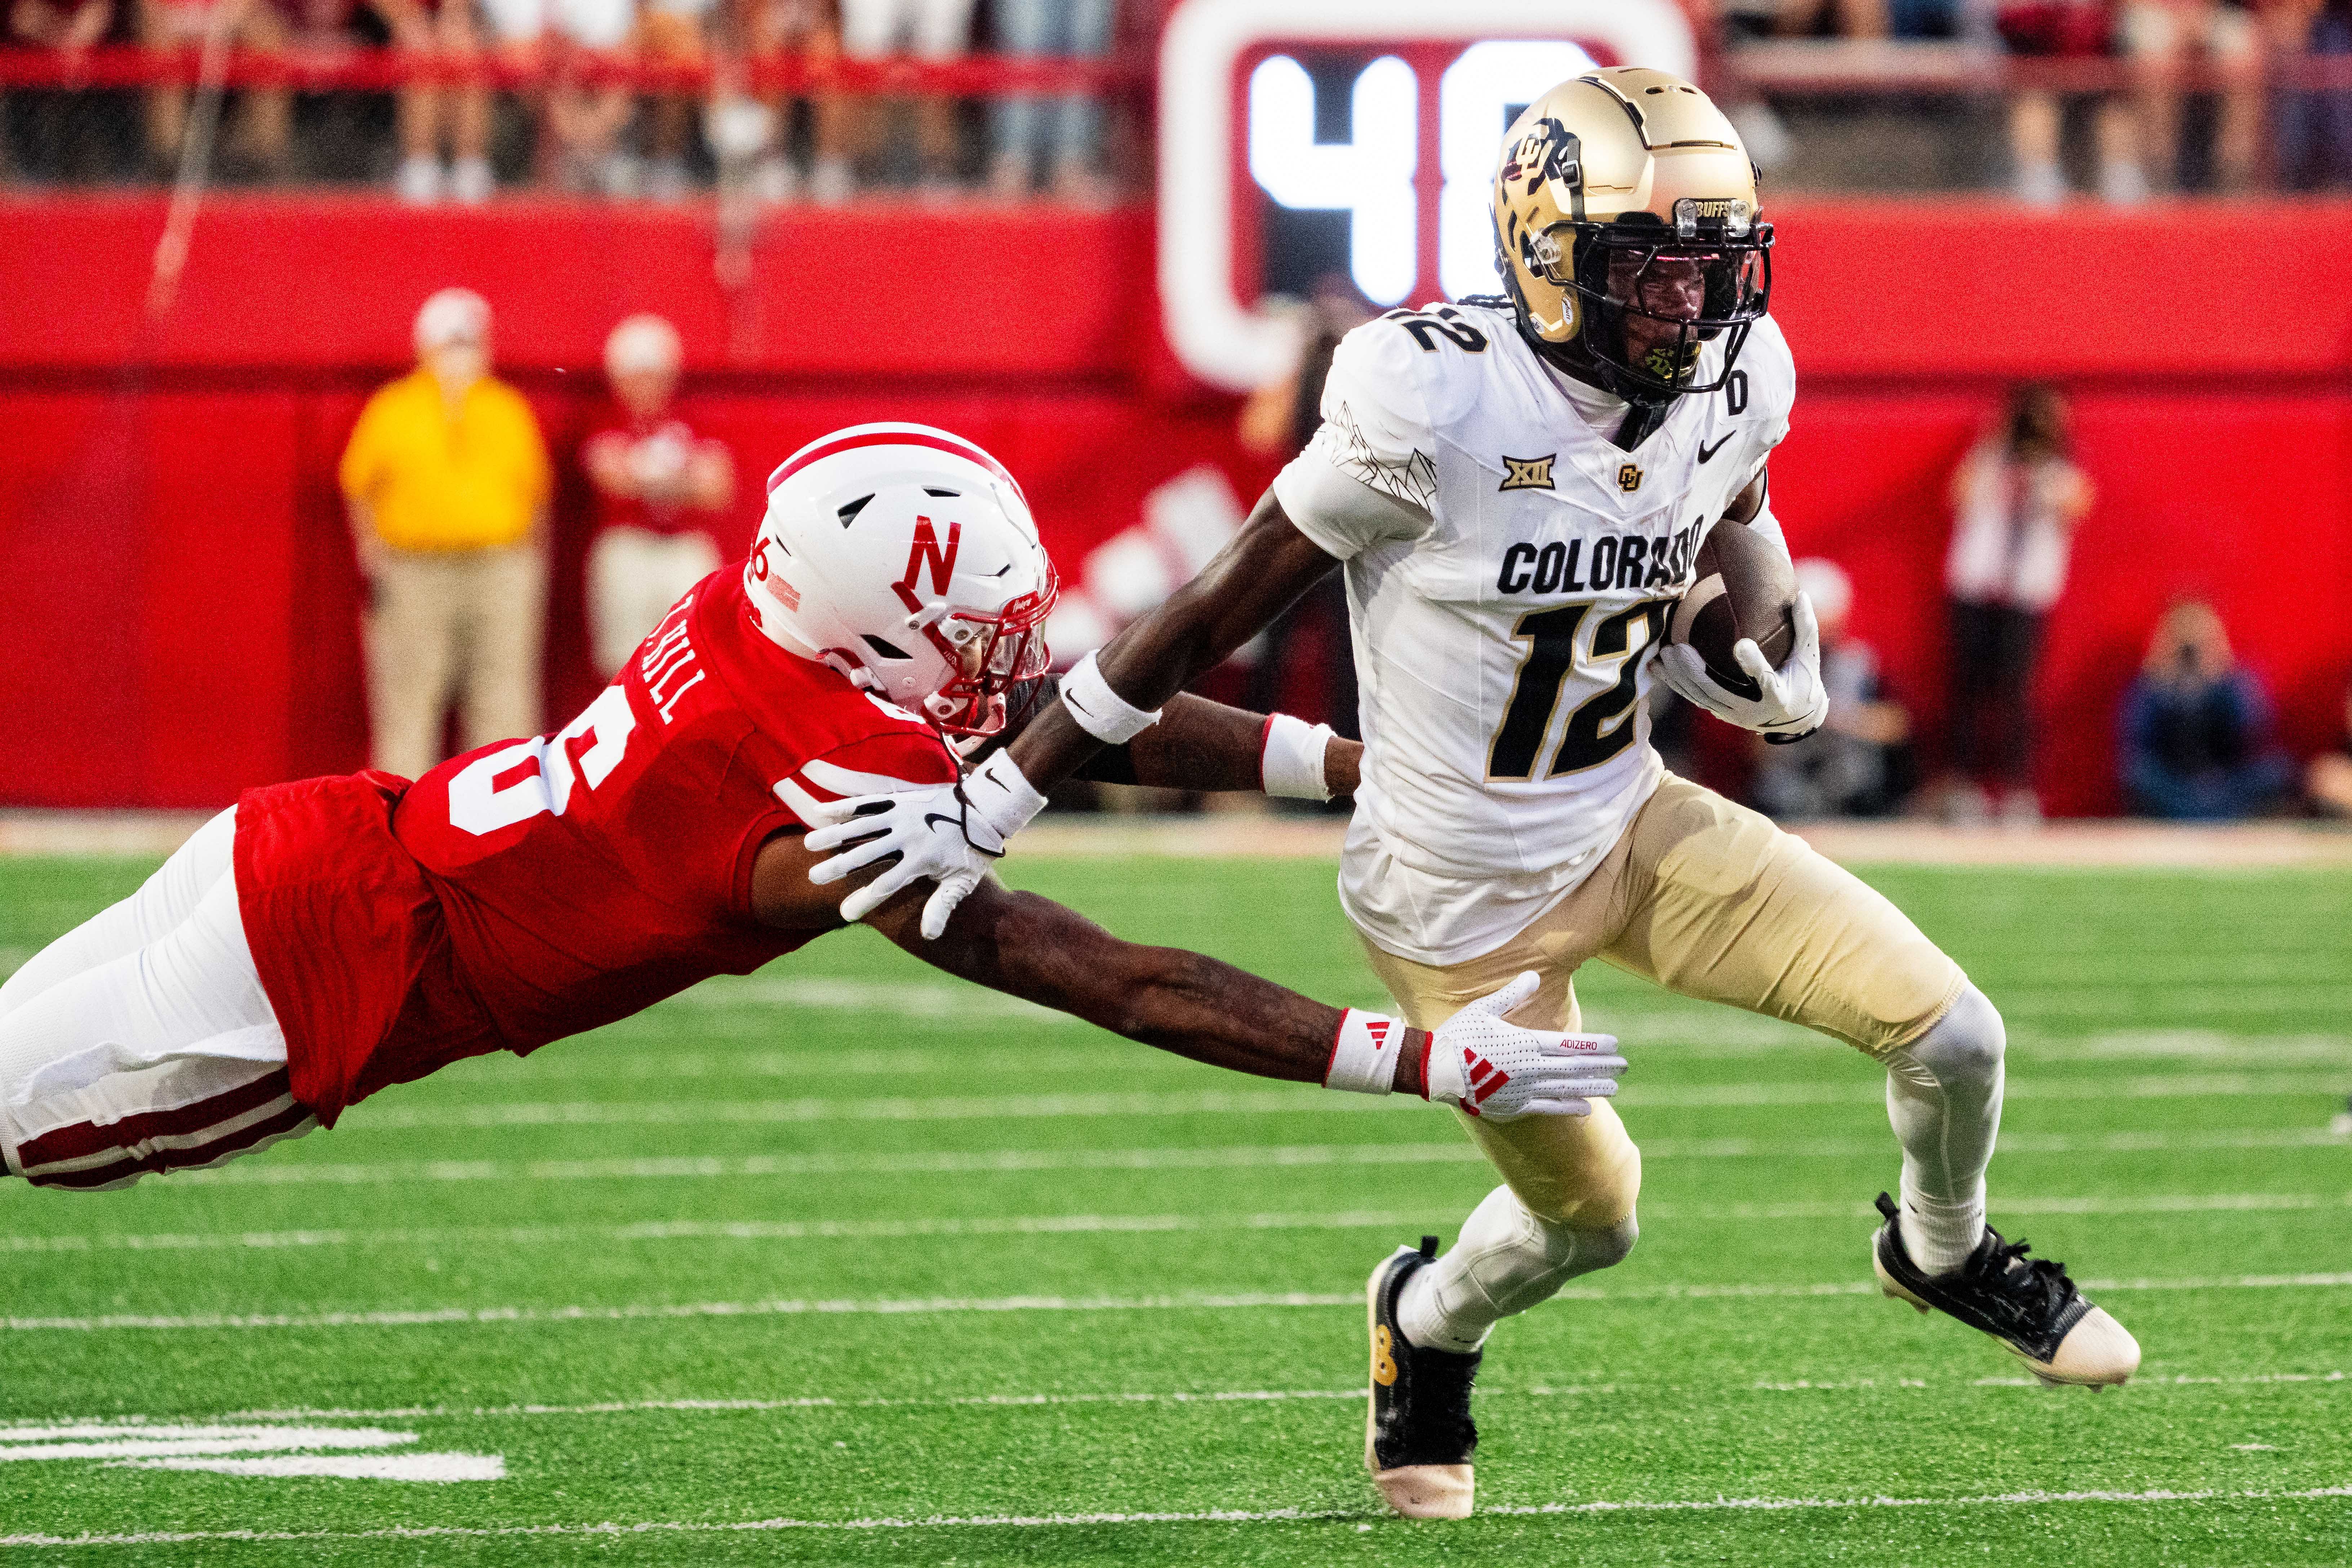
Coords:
2016,498
1518,488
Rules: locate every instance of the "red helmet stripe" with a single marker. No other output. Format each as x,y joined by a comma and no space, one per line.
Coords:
938,441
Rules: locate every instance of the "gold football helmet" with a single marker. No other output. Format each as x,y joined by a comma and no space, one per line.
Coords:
1626,231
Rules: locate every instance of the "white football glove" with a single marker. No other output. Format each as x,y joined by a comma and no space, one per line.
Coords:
936,835
1793,701
1498,1070
948,834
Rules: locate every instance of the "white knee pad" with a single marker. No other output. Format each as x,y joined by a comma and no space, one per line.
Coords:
1967,1046
1505,1261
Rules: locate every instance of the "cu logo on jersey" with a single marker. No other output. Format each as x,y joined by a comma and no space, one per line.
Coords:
1629,477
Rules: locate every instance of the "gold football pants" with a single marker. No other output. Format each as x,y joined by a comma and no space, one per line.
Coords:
1710,901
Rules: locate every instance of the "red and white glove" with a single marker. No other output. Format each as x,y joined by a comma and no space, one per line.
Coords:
1478,1062
1489,1068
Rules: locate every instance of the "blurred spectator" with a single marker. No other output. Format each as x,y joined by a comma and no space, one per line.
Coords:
68,28
2159,38
447,479
1069,129
2315,128
61,133
934,31
1281,416
427,111
659,490
1277,422
2196,742
2015,501
265,122
771,30
583,118
1840,18
1848,767
2328,780
674,33
2066,30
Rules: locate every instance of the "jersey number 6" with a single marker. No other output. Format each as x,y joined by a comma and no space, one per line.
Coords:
1602,725
515,784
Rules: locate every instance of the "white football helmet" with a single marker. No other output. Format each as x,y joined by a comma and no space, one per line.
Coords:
905,557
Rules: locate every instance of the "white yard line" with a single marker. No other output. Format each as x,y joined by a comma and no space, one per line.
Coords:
1246,1102
1085,1225
1205,1516
436,1317
300,1170
343,1466
134,1425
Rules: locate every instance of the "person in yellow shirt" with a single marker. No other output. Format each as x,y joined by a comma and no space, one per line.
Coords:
448,481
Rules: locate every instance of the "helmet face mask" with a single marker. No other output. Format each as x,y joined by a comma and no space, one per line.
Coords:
993,653
1653,303
1627,234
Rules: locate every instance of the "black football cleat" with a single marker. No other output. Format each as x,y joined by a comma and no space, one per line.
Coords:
1418,1435
2026,1303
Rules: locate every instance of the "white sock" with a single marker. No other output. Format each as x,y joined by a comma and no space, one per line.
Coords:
1943,1095
1504,1261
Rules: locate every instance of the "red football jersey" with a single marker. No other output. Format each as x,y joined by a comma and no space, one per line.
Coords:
531,889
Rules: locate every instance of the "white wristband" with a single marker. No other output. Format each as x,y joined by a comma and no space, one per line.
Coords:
999,791
1291,763
1365,1052
1100,711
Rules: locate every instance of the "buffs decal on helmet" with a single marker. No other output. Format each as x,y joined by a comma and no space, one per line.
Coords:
1627,234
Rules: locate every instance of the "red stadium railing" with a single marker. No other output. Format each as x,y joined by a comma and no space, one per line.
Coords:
1793,69
1860,68
356,69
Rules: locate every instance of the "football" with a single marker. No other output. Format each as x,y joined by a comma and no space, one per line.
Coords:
1746,588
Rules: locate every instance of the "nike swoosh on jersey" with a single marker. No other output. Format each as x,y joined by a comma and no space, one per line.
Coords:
1704,452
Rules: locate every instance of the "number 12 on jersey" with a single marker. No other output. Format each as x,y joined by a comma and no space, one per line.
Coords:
1602,725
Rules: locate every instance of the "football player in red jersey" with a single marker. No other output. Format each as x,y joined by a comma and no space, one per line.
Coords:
323,939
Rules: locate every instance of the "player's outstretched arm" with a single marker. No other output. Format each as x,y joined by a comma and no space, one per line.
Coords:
1204,745
1255,577
1196,1006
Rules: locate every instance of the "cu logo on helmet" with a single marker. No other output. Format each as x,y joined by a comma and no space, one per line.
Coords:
1276,118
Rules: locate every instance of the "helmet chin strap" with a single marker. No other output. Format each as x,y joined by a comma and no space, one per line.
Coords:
1642,422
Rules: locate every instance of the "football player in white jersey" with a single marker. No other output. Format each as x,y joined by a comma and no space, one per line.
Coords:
1517,487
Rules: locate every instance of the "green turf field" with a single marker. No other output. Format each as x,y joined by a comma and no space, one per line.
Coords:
848,1263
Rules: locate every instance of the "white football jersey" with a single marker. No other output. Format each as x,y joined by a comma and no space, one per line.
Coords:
1505,612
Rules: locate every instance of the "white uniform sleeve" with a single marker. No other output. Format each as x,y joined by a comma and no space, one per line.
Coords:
1771,373
1370,475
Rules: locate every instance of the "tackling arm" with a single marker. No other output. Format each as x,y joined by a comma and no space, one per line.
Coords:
1033,948
1262,572
1195,1006
1197,745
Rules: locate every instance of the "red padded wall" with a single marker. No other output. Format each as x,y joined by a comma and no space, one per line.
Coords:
177,598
